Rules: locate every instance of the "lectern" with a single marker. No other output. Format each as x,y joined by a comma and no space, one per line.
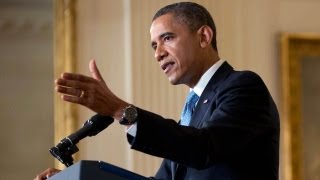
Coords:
95,170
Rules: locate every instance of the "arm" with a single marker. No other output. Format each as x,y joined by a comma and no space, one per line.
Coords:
241,115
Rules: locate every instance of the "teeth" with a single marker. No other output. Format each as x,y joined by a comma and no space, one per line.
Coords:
167,65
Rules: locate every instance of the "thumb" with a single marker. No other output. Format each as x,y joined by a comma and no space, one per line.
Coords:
95,73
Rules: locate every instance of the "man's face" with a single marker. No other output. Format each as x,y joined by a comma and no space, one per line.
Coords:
176,50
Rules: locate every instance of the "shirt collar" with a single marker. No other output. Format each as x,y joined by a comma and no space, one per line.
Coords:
202,83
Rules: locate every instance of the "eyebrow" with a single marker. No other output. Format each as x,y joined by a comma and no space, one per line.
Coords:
161,36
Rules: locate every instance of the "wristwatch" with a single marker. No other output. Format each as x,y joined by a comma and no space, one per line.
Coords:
129,116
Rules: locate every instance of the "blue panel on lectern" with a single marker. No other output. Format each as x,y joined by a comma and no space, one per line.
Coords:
120,171
95,170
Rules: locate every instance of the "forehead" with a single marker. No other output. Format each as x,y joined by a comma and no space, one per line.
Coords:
165,23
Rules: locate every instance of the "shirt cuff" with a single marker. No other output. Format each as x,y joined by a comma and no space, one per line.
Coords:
132,130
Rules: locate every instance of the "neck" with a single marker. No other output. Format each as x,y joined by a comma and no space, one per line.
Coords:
211,58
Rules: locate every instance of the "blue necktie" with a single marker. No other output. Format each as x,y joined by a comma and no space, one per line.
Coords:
186,114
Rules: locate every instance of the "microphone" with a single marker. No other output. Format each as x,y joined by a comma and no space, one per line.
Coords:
64,150
91,127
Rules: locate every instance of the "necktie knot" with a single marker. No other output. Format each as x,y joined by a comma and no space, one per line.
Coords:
191,101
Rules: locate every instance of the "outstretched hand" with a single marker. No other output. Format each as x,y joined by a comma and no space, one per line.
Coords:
91,92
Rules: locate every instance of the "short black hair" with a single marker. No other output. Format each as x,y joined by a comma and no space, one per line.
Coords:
191,14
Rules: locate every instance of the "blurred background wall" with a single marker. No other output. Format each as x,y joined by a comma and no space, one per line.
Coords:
116,34
26,86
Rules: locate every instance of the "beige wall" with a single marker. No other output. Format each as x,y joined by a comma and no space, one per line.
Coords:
116,33
101,36
26,86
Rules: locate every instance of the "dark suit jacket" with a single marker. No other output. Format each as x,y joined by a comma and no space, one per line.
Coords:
233,133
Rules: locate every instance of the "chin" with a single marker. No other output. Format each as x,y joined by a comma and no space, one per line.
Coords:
174,81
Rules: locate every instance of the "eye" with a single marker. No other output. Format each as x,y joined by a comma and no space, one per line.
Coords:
167,38
154,47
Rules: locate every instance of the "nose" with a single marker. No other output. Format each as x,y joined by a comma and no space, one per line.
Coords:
160,53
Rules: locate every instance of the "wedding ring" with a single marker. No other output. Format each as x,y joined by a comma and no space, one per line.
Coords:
82,94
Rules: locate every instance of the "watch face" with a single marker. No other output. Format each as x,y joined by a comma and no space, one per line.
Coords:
130,113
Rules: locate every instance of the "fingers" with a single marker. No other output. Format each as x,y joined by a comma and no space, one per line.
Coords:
80,81
95,73
76,84
71,91
73,95
75,88
47,173
91,92
77,100
76,77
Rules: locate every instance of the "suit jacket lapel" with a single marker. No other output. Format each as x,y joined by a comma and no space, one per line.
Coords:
208,95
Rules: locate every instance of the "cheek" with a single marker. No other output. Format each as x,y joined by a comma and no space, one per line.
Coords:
184,59
183,67
182,55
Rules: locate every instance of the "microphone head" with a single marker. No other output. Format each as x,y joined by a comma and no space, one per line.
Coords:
98,123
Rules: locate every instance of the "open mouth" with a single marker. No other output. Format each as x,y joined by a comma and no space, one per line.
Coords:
167,66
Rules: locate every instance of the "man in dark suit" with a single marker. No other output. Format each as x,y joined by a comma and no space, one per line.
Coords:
234,128
229,129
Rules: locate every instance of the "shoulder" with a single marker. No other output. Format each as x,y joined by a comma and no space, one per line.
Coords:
243,82
227,75
244,77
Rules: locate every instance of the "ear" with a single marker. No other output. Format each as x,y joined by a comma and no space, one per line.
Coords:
206,35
